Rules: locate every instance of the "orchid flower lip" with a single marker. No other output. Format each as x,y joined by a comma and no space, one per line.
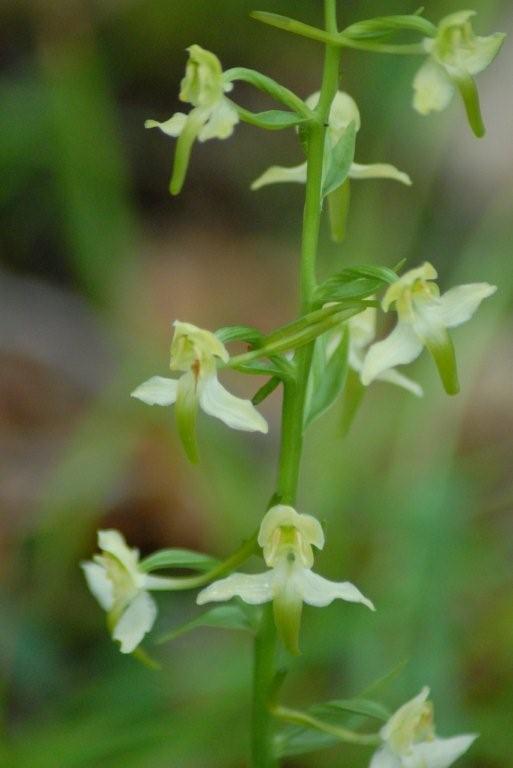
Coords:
286,538
454,56
424,318
196,354
409,739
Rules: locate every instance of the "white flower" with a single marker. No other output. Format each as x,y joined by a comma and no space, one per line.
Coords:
213,116
343,112
362,332
121,588
455,55
409,739
196,352
286,538
203,87
423,319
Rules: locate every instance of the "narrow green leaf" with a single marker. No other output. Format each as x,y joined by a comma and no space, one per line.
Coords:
178,558
339,160
344,288
355,283
271,120
338,209
320,726
384,26
328,378
266,390
292,25
363,707
385,679
384,274
398,268
274,367
295,741
239,333
232,616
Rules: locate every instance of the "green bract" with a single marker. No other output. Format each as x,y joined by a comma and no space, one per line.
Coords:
213,116
456,54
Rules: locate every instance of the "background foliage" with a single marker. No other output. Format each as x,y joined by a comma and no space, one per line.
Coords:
98,259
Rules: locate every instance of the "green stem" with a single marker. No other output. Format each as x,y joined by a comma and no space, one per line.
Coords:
240,556
300,337
338,39
344,734
271,87
294,392
263,677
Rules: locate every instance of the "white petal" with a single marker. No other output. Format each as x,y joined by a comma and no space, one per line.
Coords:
221,122
433,88
405,718
309,532
385,758
396,290
233,411
378,171
439,753
427,321
399,348
362,328
99,584
135,622
459,304
482,53
172,127
157,391
318,591
344,111
394,377
114,544
253,589
277,174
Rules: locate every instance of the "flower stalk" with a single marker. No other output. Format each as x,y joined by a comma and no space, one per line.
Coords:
294,392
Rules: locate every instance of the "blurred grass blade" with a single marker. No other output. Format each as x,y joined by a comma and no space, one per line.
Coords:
233,616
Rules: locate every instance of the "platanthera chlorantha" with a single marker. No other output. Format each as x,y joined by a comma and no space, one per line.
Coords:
330,353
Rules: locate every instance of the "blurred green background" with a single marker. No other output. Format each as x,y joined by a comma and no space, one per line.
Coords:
97,262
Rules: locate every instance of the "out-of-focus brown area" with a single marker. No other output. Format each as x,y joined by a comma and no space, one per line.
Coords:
98,261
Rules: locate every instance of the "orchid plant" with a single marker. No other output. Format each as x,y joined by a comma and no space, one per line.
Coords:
330,352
